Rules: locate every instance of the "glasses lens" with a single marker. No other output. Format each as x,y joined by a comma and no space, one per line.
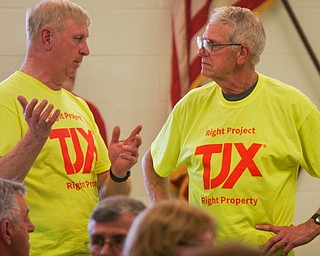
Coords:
115,242
97,241
204,43
199,42
118,240
207,45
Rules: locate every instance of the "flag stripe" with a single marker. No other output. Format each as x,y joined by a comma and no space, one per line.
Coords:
264,6
198,23
175,78
199,20
249,3
256,6
187,19
180,65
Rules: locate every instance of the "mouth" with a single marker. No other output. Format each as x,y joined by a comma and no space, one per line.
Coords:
204,64
77,63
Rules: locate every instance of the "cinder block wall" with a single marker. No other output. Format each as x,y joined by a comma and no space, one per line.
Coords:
127,74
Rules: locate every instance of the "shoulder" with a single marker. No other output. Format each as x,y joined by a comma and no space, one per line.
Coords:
286,99
199,95
282,91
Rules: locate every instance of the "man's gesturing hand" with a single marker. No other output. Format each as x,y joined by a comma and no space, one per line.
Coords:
124,154
39,118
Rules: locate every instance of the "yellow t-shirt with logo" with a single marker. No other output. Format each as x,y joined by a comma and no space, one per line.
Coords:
242,156
62,183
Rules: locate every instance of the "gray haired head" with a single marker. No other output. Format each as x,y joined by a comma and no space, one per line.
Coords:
246,28
113,207
9,208
53,13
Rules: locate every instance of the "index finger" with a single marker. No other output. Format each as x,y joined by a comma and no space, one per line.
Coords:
23,101
28,107
267,227
134,132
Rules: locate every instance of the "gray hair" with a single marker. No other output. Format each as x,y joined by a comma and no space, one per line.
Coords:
53,13
113,207
9,208
246,28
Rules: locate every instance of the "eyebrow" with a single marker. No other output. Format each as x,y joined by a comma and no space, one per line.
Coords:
109,235
212,41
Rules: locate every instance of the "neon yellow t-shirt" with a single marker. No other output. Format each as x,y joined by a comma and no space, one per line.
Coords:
62,183
242,156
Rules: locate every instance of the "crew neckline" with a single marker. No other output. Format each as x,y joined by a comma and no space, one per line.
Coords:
239,96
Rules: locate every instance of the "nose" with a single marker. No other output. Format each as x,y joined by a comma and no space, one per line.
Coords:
202,52
30,227
85,49
107,250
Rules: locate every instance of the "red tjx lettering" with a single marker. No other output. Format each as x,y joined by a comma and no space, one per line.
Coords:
80,163
246,161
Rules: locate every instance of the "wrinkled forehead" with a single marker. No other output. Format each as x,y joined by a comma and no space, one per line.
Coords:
75,28
217,31
107,229
22,204
119,225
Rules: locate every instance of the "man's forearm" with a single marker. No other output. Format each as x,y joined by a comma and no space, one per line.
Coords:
16,164
115,188
315,220
157,187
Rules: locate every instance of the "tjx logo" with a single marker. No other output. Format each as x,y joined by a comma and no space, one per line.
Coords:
81,162
246,161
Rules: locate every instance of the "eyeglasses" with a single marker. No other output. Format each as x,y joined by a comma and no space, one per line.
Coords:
115,242
208,44
189,244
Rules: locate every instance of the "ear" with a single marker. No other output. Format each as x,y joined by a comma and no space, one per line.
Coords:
243,54
46,37
6,232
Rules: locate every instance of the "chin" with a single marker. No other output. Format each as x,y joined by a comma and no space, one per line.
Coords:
206,73
72,73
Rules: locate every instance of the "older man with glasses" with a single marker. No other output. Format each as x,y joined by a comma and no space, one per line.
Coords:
242,138
110,222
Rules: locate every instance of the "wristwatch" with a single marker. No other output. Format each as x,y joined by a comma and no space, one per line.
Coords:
316,218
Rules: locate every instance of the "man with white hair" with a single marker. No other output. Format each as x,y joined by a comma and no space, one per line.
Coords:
15,224
243,138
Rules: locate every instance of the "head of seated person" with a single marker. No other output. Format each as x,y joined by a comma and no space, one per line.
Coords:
110,222
15,224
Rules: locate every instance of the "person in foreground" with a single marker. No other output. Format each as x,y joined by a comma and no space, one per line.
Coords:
15,224
242,138
169,228
229,249
50,140
110,222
